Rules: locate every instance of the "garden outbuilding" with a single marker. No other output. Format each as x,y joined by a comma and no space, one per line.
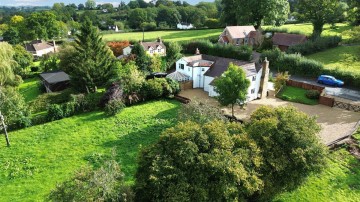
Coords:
55,80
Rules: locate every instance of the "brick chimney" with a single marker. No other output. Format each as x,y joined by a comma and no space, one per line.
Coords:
159,40
264,79
197,52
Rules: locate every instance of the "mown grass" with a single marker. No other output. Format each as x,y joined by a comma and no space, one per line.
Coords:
29,89
294,94
340,181
44,155
345,58
173,35
307,28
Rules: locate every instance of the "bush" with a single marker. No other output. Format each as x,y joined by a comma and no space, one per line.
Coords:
314,46
113,107
206,47
174,86
43,100
312,94
55,112
153,89
34,69
115,92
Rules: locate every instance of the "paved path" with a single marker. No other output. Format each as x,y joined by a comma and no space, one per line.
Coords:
336,123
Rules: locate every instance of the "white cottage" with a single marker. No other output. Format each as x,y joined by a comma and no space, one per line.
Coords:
153,48
203,69
39,48
183,25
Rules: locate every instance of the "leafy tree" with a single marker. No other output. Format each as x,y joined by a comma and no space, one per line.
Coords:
169,15
156,64
173,53
133,4
209,8
104,184
130,78
142,60
288,141
13,32
90,4
256,12
318,12
42,25
49,62
136,17
93,63
354,11
7,64
232,87
215,161
23,58
280,80
81,7
118,46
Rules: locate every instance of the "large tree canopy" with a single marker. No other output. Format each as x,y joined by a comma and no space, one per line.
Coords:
318,12
7,64
255,12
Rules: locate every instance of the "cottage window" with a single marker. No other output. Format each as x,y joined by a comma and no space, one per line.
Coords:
181,66
254,78
159,50
253,91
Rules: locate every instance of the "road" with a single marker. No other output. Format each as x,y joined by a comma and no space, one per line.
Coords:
342,92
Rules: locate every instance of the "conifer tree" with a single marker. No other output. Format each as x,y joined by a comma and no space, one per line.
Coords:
94,62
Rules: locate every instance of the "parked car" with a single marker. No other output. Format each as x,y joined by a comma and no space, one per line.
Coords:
330,80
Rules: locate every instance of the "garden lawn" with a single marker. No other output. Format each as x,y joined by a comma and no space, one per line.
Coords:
340,181
173,35
29,89
345,58
294,94
307,28
44,155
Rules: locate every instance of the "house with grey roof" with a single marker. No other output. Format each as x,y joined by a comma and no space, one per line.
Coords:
39,47
203,69
55,80
154,48
239,35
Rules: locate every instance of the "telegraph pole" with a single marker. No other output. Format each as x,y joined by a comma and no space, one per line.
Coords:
2,123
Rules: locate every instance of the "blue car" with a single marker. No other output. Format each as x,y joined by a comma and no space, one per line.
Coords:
330,80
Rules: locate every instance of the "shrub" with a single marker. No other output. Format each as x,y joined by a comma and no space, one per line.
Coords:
43,100
55,112
113,107
153,89
312,94
227,51
34,69
69,108
115,92
174,86
317,45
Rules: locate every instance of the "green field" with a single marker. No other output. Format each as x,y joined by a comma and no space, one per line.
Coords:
44,155
174,35
294,94
30,89
307,28
346,58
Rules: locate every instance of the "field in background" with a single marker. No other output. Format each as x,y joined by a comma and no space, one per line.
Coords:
173,35
44,155
346,58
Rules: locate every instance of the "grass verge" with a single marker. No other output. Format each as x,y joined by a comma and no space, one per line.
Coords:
294,94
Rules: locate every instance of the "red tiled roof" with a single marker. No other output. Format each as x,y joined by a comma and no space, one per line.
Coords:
284,39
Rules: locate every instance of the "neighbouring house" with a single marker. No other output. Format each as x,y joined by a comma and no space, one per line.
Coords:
184,25
55,80
239,35
39,47
202,70
151,48
284,40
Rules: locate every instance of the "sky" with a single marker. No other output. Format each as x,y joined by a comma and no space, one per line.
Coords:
51,2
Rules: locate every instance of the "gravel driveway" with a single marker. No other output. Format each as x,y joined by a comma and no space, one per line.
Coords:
336,123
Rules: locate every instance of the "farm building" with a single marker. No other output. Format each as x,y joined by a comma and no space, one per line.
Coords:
284,40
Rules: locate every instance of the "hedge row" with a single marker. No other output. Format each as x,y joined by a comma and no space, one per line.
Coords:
314,46
298,65
206,47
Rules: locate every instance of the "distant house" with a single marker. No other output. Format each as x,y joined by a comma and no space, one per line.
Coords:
151,48
202,70
55,80
238,35
284,40
39,48
184,25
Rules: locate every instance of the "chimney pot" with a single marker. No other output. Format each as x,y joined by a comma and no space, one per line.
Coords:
197,52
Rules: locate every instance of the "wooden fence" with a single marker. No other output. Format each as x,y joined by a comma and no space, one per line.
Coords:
305,86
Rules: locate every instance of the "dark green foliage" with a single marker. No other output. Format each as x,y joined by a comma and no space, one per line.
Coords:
104,184
113,107
312,94
153,88
49,62
174,86
54,112
93,64
288,141
173,50
206,47
317,45
41,102
23,58
143,61
295,64
215,161
114,92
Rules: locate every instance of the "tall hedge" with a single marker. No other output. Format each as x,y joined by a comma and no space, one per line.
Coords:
299,65
227,51
314,46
